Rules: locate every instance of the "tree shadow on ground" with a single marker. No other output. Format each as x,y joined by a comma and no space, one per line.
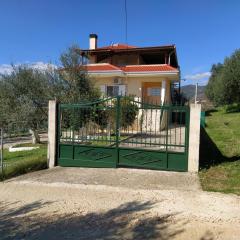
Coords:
207,236
10,218
209,112
130,221
232,108
209,154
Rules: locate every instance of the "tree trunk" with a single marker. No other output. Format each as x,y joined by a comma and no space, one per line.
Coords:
109,131
164,120
35,136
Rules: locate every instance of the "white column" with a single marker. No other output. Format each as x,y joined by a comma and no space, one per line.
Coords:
194,137
163,92
52,130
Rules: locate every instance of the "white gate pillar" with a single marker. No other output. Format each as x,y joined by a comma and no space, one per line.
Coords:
163,92
52,133
194,138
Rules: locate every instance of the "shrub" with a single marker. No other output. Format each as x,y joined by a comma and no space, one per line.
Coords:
128,112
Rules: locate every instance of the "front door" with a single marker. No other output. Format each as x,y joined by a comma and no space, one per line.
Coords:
151,92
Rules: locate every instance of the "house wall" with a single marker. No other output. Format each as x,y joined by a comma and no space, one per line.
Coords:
134,84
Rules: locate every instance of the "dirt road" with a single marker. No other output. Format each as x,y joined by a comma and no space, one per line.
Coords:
31,208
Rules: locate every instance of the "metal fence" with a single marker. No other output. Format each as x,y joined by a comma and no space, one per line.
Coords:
121,123
203,119
129,123
13,133
1,153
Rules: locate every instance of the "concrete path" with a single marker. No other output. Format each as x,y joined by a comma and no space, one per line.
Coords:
120,177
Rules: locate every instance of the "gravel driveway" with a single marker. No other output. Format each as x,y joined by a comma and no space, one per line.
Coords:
75,203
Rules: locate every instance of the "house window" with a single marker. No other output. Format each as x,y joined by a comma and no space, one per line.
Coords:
112,91
154,91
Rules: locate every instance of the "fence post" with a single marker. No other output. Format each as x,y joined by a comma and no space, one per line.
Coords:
117,120
52,133
1,146
194,138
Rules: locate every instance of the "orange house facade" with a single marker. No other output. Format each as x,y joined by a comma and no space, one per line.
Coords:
148,73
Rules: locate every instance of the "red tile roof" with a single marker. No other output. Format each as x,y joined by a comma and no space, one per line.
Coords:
124,47
105,67
117,46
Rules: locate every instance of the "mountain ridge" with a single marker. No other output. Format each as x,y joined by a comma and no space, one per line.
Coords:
189,92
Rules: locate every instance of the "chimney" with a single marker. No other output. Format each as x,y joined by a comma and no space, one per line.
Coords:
93,41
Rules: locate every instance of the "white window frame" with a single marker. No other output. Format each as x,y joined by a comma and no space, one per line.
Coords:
121,89
151,91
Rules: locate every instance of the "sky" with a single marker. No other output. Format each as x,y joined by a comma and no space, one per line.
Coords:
38,31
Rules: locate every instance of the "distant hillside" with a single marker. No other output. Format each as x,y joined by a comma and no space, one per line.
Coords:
189,92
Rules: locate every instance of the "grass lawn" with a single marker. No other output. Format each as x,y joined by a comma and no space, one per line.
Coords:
220,152
16,163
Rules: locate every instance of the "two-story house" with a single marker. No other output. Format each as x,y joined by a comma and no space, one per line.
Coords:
145,72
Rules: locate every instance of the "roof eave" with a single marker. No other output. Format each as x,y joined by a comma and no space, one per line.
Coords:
105,73
143,73
98,50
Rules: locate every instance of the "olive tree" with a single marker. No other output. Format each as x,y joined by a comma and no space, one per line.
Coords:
25,92
224,83
78,87
24,95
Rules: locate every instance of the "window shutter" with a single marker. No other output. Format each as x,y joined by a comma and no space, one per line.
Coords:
122,90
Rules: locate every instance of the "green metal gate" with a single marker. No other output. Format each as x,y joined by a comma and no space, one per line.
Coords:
123,131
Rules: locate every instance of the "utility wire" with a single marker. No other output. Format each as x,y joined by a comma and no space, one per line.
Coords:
126,34
126,23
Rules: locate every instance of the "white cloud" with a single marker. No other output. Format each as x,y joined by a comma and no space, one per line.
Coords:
199,69
42,66
198,76
7,68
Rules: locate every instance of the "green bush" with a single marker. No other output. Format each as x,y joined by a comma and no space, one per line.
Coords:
128,112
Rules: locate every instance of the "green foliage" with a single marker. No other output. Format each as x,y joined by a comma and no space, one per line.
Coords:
224,84
103,116
75,118
231,78
78,87
128,112
24,95
232,108
214,86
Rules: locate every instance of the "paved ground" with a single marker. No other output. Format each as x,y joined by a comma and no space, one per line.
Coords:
121,177
75,203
